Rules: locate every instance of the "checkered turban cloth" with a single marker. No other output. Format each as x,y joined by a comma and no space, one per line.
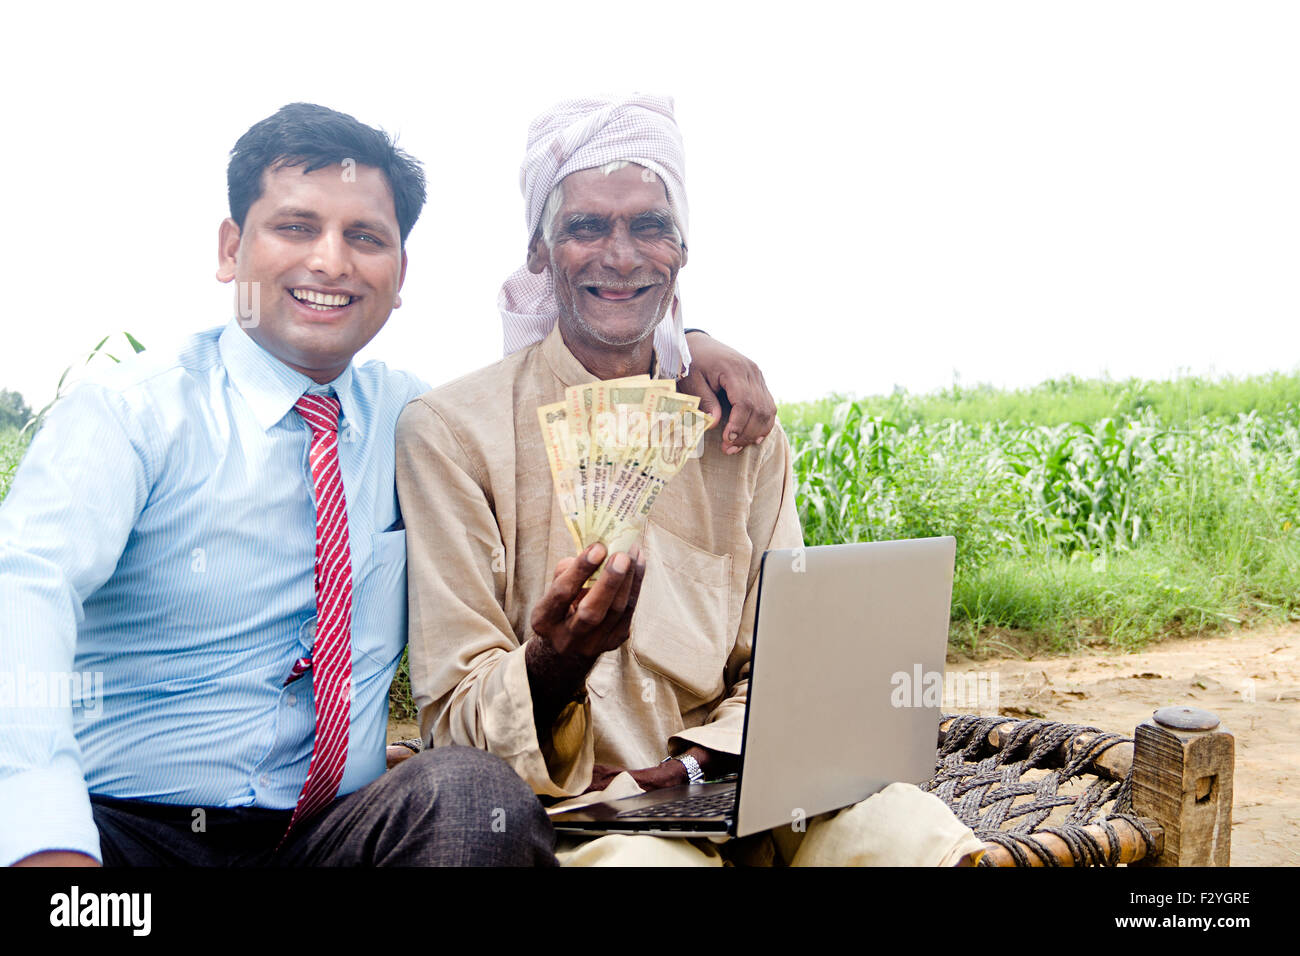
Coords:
583,134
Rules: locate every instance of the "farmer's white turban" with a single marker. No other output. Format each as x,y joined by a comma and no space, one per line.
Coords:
582,134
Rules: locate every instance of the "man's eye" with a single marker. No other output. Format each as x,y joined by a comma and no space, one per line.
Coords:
293,227
586,230
366,237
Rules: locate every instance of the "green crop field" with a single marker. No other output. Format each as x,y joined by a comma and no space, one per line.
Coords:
11,452
1083,510
1179,402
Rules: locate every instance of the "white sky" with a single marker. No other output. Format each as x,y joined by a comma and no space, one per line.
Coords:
881,194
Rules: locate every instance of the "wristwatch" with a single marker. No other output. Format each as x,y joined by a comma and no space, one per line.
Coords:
694,774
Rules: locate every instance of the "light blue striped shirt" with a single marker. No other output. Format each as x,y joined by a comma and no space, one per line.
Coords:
157,562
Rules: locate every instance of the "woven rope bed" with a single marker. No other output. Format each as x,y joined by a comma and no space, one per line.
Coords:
1040,793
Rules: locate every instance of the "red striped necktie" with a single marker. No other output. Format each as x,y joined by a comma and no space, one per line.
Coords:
331,655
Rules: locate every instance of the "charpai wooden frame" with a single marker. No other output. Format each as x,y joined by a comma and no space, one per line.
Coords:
1160,798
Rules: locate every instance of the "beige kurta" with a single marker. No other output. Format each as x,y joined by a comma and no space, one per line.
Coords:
484,534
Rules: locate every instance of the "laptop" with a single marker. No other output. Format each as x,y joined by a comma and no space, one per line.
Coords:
846,639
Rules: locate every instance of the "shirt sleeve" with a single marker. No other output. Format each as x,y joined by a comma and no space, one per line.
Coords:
63,527
773,523
468,674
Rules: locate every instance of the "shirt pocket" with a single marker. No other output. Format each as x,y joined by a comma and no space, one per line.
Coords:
684,628
379,599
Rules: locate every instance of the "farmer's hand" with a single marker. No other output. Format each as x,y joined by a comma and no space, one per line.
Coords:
602,776
574,627
669,774
582,626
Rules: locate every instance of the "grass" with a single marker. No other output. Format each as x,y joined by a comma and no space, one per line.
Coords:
12,447
1122,529
1177,402
400,706
1124,601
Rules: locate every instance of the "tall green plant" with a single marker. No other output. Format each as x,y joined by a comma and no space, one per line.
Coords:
39,418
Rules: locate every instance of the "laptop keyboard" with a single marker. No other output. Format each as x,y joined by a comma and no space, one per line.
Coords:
717,804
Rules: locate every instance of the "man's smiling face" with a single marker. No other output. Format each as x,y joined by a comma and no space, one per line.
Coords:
614,254
324,250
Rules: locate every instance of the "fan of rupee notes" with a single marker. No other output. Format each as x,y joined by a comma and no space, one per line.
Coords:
612,447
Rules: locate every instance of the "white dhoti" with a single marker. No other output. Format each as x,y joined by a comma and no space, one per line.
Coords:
899,826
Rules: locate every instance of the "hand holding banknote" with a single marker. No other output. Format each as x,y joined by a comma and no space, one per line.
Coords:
575,625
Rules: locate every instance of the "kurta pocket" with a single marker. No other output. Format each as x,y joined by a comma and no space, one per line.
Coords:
683,627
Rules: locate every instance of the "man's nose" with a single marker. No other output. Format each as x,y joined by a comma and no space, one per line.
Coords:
621,252
330,255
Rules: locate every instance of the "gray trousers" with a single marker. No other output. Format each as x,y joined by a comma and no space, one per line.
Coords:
449,806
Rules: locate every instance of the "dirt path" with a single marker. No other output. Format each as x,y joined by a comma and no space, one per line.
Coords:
1250,679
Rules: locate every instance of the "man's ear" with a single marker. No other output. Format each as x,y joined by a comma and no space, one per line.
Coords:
228,237
401,280
539,254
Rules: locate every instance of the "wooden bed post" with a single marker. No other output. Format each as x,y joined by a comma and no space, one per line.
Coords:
1182,779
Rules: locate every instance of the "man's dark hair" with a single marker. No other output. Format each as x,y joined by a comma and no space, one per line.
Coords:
313,137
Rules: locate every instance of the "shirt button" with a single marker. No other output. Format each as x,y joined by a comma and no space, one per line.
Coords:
291,700
264,780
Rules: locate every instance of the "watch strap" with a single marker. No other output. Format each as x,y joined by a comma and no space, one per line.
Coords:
694,775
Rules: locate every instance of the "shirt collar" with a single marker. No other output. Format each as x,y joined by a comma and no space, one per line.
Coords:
269,386
567,368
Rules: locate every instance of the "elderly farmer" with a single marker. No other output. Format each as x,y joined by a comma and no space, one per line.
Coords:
507,652
585,134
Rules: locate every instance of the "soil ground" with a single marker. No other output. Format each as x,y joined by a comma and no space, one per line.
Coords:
1249,678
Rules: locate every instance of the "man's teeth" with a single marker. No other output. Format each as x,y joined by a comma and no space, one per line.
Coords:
616,295
319,300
